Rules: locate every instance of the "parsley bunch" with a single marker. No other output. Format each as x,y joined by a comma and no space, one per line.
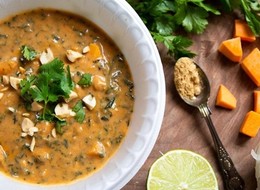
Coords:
164,19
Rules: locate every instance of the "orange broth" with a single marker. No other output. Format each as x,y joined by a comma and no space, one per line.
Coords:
80,148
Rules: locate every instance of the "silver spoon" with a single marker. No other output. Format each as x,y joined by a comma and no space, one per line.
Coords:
232,179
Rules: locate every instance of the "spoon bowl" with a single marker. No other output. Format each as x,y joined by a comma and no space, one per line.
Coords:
204,95
186,66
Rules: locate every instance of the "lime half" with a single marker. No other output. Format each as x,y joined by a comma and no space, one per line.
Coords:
181,170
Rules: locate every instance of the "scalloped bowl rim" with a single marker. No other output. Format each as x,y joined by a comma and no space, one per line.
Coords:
122,24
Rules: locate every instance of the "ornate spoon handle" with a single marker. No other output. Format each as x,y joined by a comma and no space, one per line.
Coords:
232,179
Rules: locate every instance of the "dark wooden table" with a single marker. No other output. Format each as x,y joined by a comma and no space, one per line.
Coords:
183,127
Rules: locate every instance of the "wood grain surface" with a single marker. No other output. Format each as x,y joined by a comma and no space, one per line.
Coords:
183,127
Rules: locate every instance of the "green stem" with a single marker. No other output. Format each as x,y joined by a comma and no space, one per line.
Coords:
44,110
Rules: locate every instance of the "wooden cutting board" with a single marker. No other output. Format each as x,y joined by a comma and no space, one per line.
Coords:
183,127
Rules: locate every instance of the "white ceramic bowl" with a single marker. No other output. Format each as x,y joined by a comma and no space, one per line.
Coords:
124,26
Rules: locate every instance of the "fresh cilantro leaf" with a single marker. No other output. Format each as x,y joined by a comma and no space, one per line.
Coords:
195,20
59,81
159,7
40,93
69,78
78,106
230,5
25,85
206,7
86,80
226,4
164,25
161,12
80,112
59,123
55,69
180,45
193,14
67,83
177,45
48,115
28,53
251,11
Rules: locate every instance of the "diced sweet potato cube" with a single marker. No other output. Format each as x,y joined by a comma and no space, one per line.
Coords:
243,31
251,124
94,51
251,65
225,98
232,49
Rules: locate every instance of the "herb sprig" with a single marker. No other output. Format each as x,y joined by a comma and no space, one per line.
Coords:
52,82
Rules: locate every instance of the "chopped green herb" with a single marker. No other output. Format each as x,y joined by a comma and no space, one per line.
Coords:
2,117
56,38
51,83
78,173
117,139
105,118
50,116
106,115
66,143
80,112
28,53
110,103
59,123
25,85
70,83
86,80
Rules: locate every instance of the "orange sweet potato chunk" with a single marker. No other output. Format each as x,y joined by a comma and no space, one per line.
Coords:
251,124
251,65
243,31
225,98
232,49
6,67
94,51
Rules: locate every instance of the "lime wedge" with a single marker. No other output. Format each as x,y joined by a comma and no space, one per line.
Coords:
181,170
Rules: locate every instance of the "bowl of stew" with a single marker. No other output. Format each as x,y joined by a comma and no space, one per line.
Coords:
82,94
